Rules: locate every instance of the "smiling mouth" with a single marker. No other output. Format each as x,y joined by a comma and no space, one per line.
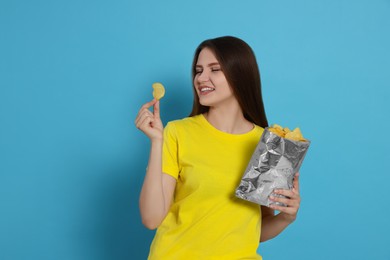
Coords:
205,90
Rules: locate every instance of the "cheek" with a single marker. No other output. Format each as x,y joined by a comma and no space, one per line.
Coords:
220,78
195,81
222,82
194,87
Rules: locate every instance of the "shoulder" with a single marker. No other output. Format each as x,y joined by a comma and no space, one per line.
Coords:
184,126
259,131
184,122
259,128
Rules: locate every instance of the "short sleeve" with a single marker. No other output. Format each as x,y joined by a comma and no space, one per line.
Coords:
170,159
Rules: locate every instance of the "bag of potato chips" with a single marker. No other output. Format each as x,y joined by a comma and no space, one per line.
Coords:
276,159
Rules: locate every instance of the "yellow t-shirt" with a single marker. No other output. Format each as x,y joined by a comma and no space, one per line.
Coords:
206,220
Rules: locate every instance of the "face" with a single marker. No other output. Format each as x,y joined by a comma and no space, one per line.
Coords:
210,82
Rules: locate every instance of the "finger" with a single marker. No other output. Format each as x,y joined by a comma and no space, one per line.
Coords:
291,212
147,105
142,115
156,109
292,203
287,193
145,112
276,207
280,208
144,122
296,182
285,201
286,206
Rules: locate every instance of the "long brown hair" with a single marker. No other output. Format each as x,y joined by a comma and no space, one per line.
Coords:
238,63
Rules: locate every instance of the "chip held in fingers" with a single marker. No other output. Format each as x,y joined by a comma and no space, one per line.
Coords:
294,135
158,90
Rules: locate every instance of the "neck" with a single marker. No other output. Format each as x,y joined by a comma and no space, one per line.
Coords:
228,119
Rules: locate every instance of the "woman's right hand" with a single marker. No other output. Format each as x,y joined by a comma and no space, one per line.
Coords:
150,123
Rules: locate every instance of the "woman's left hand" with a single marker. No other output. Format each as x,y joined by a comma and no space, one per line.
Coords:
292,200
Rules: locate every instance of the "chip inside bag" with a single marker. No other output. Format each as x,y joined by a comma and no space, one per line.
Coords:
273,165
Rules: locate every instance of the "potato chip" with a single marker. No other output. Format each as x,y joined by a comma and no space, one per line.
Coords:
294,135
277,131
158,90
277,126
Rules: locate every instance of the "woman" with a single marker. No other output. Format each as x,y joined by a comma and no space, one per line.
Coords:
197,162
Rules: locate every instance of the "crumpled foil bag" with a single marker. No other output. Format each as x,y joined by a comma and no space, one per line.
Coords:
273,165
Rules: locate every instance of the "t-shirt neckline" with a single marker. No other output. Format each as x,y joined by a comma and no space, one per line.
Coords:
218,132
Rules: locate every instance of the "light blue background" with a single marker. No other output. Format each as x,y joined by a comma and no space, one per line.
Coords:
73,75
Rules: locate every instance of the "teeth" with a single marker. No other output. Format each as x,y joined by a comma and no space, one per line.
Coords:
206,89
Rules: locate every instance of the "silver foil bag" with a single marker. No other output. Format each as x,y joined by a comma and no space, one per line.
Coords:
273,165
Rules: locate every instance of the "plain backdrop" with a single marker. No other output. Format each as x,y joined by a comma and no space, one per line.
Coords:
73,75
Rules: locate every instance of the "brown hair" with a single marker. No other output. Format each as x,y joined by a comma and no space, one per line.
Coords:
238,63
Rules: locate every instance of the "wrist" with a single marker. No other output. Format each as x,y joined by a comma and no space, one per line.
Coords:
287,218
156,141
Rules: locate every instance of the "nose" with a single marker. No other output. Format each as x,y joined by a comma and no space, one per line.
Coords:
203,76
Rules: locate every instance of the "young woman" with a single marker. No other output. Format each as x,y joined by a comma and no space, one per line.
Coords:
196,163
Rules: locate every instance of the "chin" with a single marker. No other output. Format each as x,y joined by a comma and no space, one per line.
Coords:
206,104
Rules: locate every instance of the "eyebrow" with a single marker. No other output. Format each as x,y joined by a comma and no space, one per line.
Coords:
210,64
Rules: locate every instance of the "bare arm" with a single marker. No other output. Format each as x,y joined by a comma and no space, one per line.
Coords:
273,225
158,188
